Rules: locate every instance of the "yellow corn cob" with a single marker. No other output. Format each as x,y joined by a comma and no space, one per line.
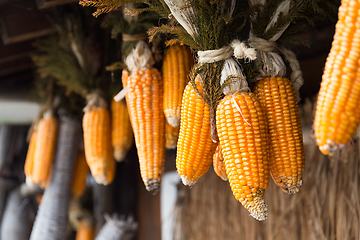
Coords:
145,104
29,161
286,154
243,135
44,149
97,145
171,136
337,113
195,148
81,171
122,135
219,164
178,60
85,231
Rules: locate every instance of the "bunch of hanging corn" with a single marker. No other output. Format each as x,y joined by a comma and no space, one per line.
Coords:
178,61
85,231
144,99
29,161
41,151
243,134
195,147
219,164
171,135
122,135
97,139
80,174
278,99
337,113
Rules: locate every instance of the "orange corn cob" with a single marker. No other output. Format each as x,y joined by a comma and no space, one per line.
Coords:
29,161
97,145
122,135
195,148
337,113
44,149
219,164
171,136
243,135
145,104
286,154
85,231
81,171
178,60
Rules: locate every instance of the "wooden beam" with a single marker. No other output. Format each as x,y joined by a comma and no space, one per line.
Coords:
52,3
21,20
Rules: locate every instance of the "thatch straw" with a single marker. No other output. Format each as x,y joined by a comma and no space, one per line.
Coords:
327,206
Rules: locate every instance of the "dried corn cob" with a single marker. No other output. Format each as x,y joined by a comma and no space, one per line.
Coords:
80,173
85,231
122,135
286,154
44,149
243,134
97,140
178,61
242,131
219,164
195,147
145,104
144,98
29,161
337,113
171,136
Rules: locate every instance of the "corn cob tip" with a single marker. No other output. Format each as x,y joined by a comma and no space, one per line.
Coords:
101,180
119,155
330,148
257,207
171,146
30,181
291,185
153,185
186,181
173,121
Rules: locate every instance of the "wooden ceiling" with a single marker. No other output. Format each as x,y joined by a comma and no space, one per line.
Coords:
21,22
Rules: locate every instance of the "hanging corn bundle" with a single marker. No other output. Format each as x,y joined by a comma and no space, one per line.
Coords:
144,98
219,164
52,217
45,146
195,147
243,135
16,222
178,61
278,95
143,89
29,161
85,231
81,172
171,136
75,63
122,135
117,228
337,114
97,139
